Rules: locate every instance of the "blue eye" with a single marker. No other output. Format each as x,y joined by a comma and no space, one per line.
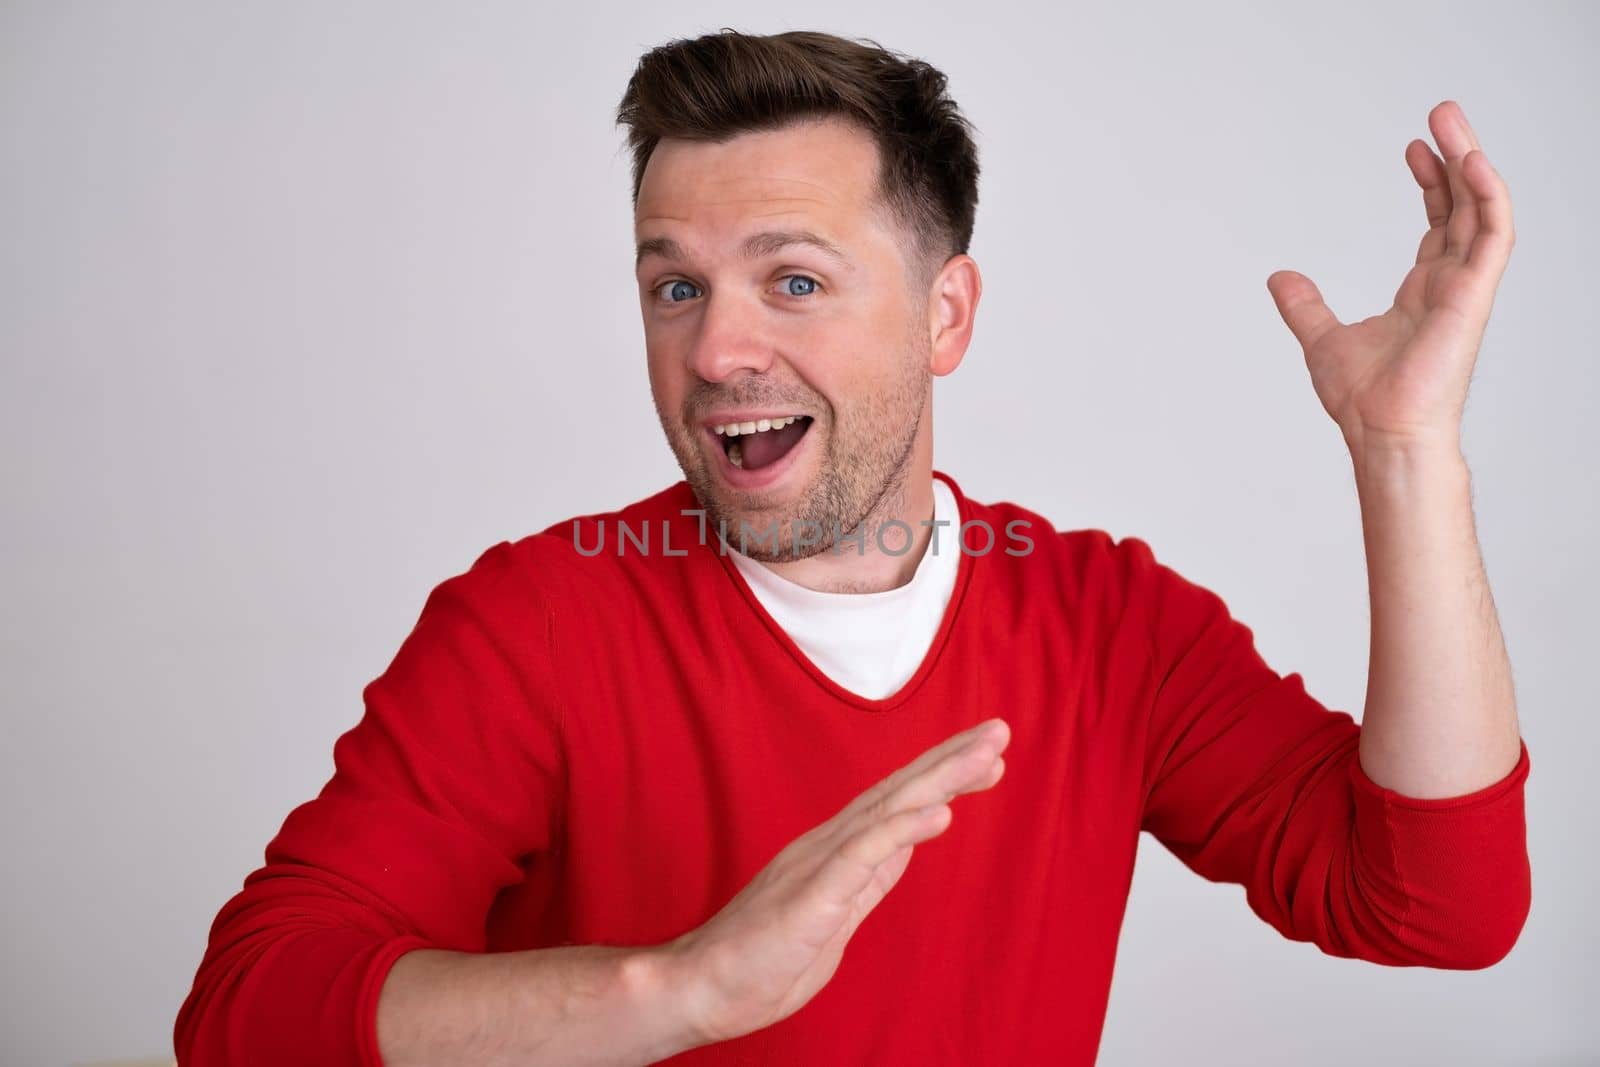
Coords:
677,295
674,288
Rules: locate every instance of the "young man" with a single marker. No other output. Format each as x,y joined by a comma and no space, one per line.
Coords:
606,805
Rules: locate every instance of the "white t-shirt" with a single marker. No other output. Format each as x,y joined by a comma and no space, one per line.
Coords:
869,643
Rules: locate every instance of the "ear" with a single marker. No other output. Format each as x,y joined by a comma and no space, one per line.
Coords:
952,305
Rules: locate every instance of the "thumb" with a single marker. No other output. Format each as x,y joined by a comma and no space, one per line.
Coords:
1301,305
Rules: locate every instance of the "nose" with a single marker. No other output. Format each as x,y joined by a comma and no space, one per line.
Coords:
731,338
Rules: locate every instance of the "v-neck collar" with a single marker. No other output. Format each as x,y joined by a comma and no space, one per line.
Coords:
930,659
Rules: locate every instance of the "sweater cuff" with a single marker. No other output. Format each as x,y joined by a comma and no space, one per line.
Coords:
1514,778
383,960
1451,873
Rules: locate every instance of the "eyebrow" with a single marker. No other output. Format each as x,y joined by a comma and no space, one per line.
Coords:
759,244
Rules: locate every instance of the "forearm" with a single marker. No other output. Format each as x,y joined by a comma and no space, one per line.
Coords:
1440,717
574,1004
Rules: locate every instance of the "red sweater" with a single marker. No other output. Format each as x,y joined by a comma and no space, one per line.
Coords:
577,749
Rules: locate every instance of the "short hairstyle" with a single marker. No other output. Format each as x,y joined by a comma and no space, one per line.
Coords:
719,85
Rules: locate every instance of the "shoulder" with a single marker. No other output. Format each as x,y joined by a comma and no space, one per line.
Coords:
560,563
1087,565
1113,591
1026,534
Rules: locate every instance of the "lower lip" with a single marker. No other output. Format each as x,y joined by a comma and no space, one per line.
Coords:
764,477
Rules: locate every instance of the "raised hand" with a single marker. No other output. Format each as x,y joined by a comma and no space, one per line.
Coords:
779,941
1400,378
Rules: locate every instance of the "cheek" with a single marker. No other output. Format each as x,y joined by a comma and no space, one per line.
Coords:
665,370
867,365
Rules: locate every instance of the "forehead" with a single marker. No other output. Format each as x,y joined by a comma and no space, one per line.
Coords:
825,171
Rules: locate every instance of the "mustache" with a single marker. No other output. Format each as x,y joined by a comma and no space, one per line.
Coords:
752,393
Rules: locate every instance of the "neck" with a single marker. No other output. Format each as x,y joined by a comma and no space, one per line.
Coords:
865,567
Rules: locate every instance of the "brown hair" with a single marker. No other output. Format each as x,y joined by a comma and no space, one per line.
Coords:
713,87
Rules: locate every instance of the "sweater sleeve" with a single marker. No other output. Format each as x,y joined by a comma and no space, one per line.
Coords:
451,779
1250,780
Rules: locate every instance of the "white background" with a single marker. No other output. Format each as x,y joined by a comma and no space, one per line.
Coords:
303,306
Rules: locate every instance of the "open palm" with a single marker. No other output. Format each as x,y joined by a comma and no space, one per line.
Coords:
1402,376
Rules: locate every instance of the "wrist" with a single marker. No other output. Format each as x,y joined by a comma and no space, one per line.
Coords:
660,982
1410,475
1384,456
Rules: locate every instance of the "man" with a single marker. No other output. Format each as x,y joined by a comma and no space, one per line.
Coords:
606,805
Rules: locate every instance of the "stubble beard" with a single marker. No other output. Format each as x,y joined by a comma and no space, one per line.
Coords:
861,481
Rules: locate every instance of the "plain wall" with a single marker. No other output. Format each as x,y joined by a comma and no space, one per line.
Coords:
304,306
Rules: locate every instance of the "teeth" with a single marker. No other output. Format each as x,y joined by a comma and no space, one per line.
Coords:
734,429
736,454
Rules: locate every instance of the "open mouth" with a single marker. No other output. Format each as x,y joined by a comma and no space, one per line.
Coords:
753,445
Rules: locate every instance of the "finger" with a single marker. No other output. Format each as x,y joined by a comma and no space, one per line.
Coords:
969,771
850,868
1491,247
1428,170
1301,305
1461,118
988,729
965,770
925,808
847,872
869,842
1455,139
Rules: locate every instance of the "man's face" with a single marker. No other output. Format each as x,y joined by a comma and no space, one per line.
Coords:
738,335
